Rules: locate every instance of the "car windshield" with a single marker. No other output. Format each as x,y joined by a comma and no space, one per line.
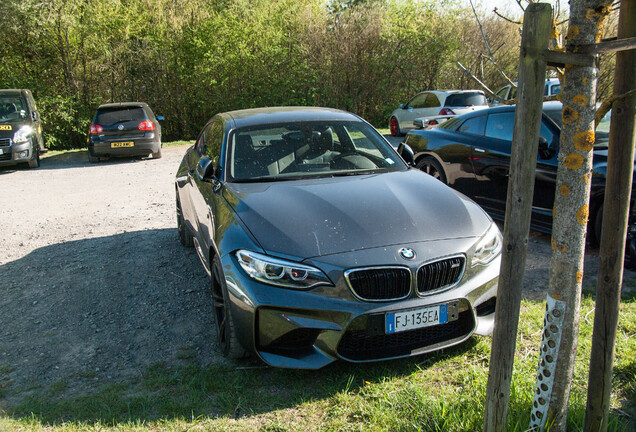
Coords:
308,149
466,100
12,107
114,115
452,123
602,129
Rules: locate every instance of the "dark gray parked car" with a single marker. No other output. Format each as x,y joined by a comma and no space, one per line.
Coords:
20,129
322,244
124,129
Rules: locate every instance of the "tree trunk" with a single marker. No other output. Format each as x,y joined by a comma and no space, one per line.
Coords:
620,169
571,211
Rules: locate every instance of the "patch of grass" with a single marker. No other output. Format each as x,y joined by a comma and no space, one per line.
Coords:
177,143
442,391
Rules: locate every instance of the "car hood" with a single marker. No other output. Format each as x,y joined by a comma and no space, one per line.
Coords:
317,217
15,125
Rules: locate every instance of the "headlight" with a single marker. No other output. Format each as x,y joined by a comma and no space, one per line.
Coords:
274,271
488,247
23,134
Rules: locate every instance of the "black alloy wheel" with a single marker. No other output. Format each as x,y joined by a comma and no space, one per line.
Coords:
226,334
431,167
185,236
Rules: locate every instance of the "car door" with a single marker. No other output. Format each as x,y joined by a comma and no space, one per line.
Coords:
459,151
422,105
205,194
491,162
545,176
35,118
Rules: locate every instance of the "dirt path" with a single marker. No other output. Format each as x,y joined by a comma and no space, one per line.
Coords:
94,285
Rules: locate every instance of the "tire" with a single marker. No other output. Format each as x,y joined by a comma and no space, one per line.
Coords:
158,154
185,236
394,127
91,158
431,167
35,162
223,321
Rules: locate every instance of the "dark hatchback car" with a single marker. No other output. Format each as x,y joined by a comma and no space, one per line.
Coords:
322,244
20,129
124,129
471,153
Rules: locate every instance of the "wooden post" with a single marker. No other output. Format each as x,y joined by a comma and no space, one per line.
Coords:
536,34
618,188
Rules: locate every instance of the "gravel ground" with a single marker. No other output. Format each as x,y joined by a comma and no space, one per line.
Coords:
94,285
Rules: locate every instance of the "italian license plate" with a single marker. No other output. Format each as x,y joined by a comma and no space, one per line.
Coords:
6,127
122,144
416,318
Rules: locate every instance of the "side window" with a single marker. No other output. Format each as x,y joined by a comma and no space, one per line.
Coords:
432,101
500,125
546,133
474,126
503,93
213,137
419,101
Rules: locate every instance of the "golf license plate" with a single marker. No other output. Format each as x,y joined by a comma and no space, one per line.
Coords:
416,318
122,144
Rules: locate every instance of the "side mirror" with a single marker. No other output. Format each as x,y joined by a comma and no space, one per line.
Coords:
205,169
160,118
545,152
407,154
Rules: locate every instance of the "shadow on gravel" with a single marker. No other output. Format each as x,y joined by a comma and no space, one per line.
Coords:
71,159
83,313
119,329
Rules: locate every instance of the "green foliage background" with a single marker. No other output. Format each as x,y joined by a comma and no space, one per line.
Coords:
190,59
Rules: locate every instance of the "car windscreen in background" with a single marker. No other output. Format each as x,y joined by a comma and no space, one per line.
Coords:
466,99
111,116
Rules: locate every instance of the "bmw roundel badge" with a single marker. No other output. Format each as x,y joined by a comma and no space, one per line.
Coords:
407,253
120,127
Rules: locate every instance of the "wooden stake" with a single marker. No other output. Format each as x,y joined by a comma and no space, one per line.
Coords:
620,166
536,34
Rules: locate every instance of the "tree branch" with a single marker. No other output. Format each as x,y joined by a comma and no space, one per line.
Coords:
484,86
607,105
493,61
481,29
505,17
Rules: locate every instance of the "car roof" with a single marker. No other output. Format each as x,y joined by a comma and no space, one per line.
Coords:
12,91
123,104
272,115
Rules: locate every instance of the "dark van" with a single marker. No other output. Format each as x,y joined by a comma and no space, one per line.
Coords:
20,129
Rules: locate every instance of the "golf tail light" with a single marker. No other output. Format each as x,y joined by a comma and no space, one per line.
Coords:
95,129
146,125
274,271
446,111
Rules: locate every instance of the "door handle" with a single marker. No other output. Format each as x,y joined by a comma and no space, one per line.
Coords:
480,150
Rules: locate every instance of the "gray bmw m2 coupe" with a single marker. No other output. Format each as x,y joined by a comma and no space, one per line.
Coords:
322,244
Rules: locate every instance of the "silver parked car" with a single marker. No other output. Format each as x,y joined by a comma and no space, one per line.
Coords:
435,103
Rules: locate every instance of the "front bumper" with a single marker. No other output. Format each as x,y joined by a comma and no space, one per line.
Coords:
16,153
310,329
107,146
